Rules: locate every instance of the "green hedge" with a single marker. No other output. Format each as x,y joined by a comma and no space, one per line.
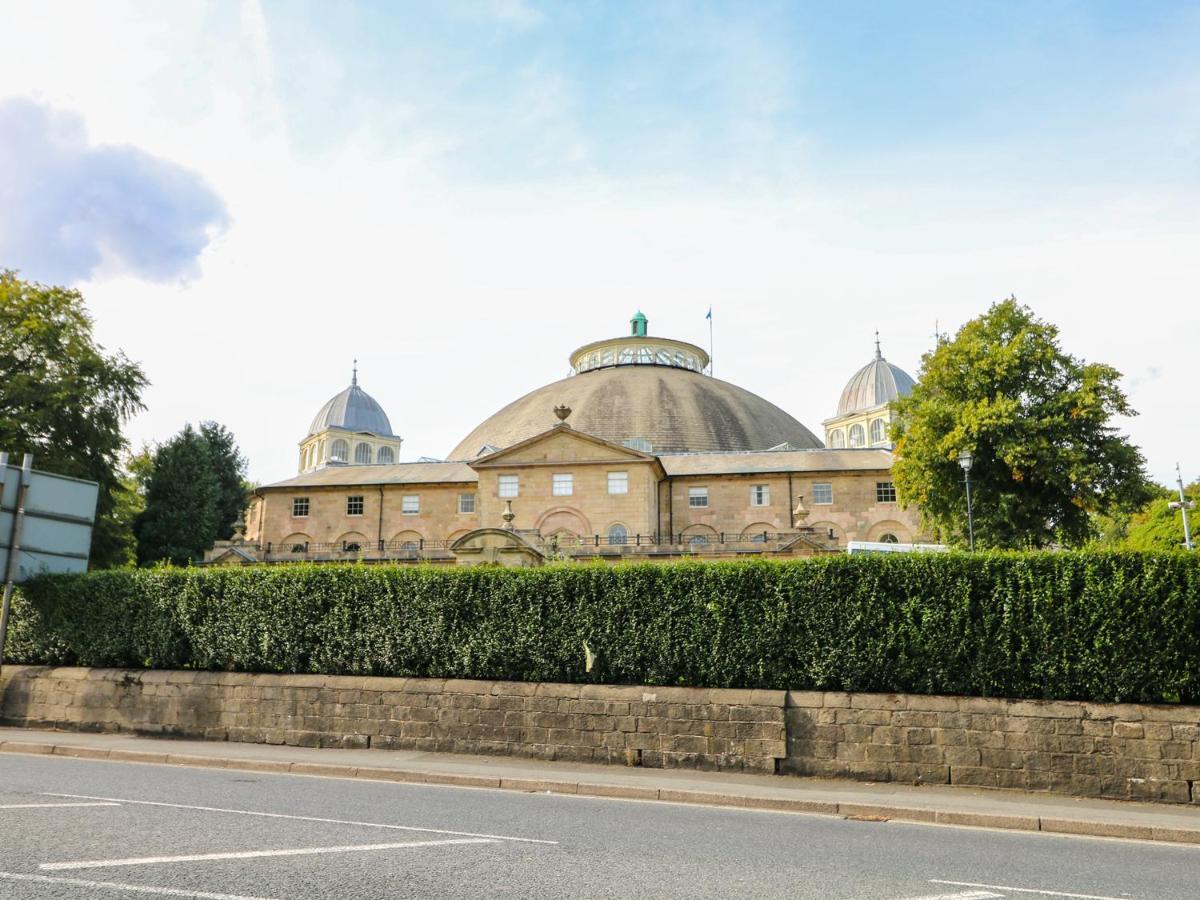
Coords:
1098,626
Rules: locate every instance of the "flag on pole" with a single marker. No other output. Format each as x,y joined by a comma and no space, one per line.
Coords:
709,316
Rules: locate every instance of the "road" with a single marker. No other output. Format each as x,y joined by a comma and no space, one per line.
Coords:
82,829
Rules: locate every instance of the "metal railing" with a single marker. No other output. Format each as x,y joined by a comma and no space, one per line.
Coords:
567,545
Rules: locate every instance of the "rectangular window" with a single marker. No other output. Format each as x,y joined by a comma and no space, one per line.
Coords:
410,504
299,506
466,503
823,492
618,482
509,485
885,492
562,485
354,506
760,495
698,497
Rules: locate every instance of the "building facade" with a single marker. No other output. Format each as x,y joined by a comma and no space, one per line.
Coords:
638,454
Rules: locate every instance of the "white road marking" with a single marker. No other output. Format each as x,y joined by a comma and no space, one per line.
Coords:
272,815
127,888
1017,890
51,805
252,854
961,895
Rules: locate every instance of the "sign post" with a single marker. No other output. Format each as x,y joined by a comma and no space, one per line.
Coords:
45,526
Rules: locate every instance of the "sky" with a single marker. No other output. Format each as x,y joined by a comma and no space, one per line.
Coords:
251,195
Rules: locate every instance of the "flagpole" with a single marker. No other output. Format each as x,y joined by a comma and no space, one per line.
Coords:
710,343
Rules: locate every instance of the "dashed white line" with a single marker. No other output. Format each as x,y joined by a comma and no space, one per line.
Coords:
253,854
1017,890
52,805
126,888
274,815
959,895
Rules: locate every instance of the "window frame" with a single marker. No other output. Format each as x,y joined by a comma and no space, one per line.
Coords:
623,534
883,435
828,488
698,493
562,484
883,489
471,500
404,505
862,436
507,483
359,500
622,478
760,495
296,503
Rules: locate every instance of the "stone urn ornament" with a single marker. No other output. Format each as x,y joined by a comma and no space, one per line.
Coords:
508,515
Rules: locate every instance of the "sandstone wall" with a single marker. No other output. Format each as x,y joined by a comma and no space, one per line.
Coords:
1126,751
668,727
1129,751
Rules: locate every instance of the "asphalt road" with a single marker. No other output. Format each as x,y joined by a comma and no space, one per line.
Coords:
82,829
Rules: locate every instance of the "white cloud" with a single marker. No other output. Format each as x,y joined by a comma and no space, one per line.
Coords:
458,295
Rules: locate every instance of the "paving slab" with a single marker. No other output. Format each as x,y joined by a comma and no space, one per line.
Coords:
948,805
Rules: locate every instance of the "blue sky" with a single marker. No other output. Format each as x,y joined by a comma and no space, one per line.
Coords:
463,192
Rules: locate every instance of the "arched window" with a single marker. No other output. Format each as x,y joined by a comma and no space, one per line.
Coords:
362,454
858,437
878,431
837,440
888,538
698,540
618,534
339,451
385,456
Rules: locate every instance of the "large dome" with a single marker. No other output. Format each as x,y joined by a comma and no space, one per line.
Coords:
673,409
354,410
875,384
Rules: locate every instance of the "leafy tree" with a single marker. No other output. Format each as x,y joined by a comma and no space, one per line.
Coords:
65,400
229,466
1039,425
1158,527
182,495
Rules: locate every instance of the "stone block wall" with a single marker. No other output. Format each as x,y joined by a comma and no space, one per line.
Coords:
1125,751
661,727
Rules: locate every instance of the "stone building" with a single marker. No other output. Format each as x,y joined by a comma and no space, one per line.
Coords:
638,453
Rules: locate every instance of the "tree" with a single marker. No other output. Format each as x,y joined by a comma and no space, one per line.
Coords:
64,399
182,493
1038,423
229,466
1158,527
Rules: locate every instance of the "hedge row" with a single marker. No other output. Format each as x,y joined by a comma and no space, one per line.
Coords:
1094,626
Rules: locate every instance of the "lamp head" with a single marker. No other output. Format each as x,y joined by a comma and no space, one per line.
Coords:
965,459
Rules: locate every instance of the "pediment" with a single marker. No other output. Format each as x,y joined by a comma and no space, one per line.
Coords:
562,444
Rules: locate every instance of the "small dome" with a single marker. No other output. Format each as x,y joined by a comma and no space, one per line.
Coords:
353,410
875,384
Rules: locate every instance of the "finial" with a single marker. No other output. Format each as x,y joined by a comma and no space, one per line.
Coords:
562,412
354,377
878,353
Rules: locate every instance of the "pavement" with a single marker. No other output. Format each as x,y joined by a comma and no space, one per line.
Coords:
86,828
943,805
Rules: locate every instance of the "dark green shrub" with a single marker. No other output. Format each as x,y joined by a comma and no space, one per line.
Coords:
1115,626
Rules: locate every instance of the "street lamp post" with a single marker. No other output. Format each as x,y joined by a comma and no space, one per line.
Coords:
966,460
1183,505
